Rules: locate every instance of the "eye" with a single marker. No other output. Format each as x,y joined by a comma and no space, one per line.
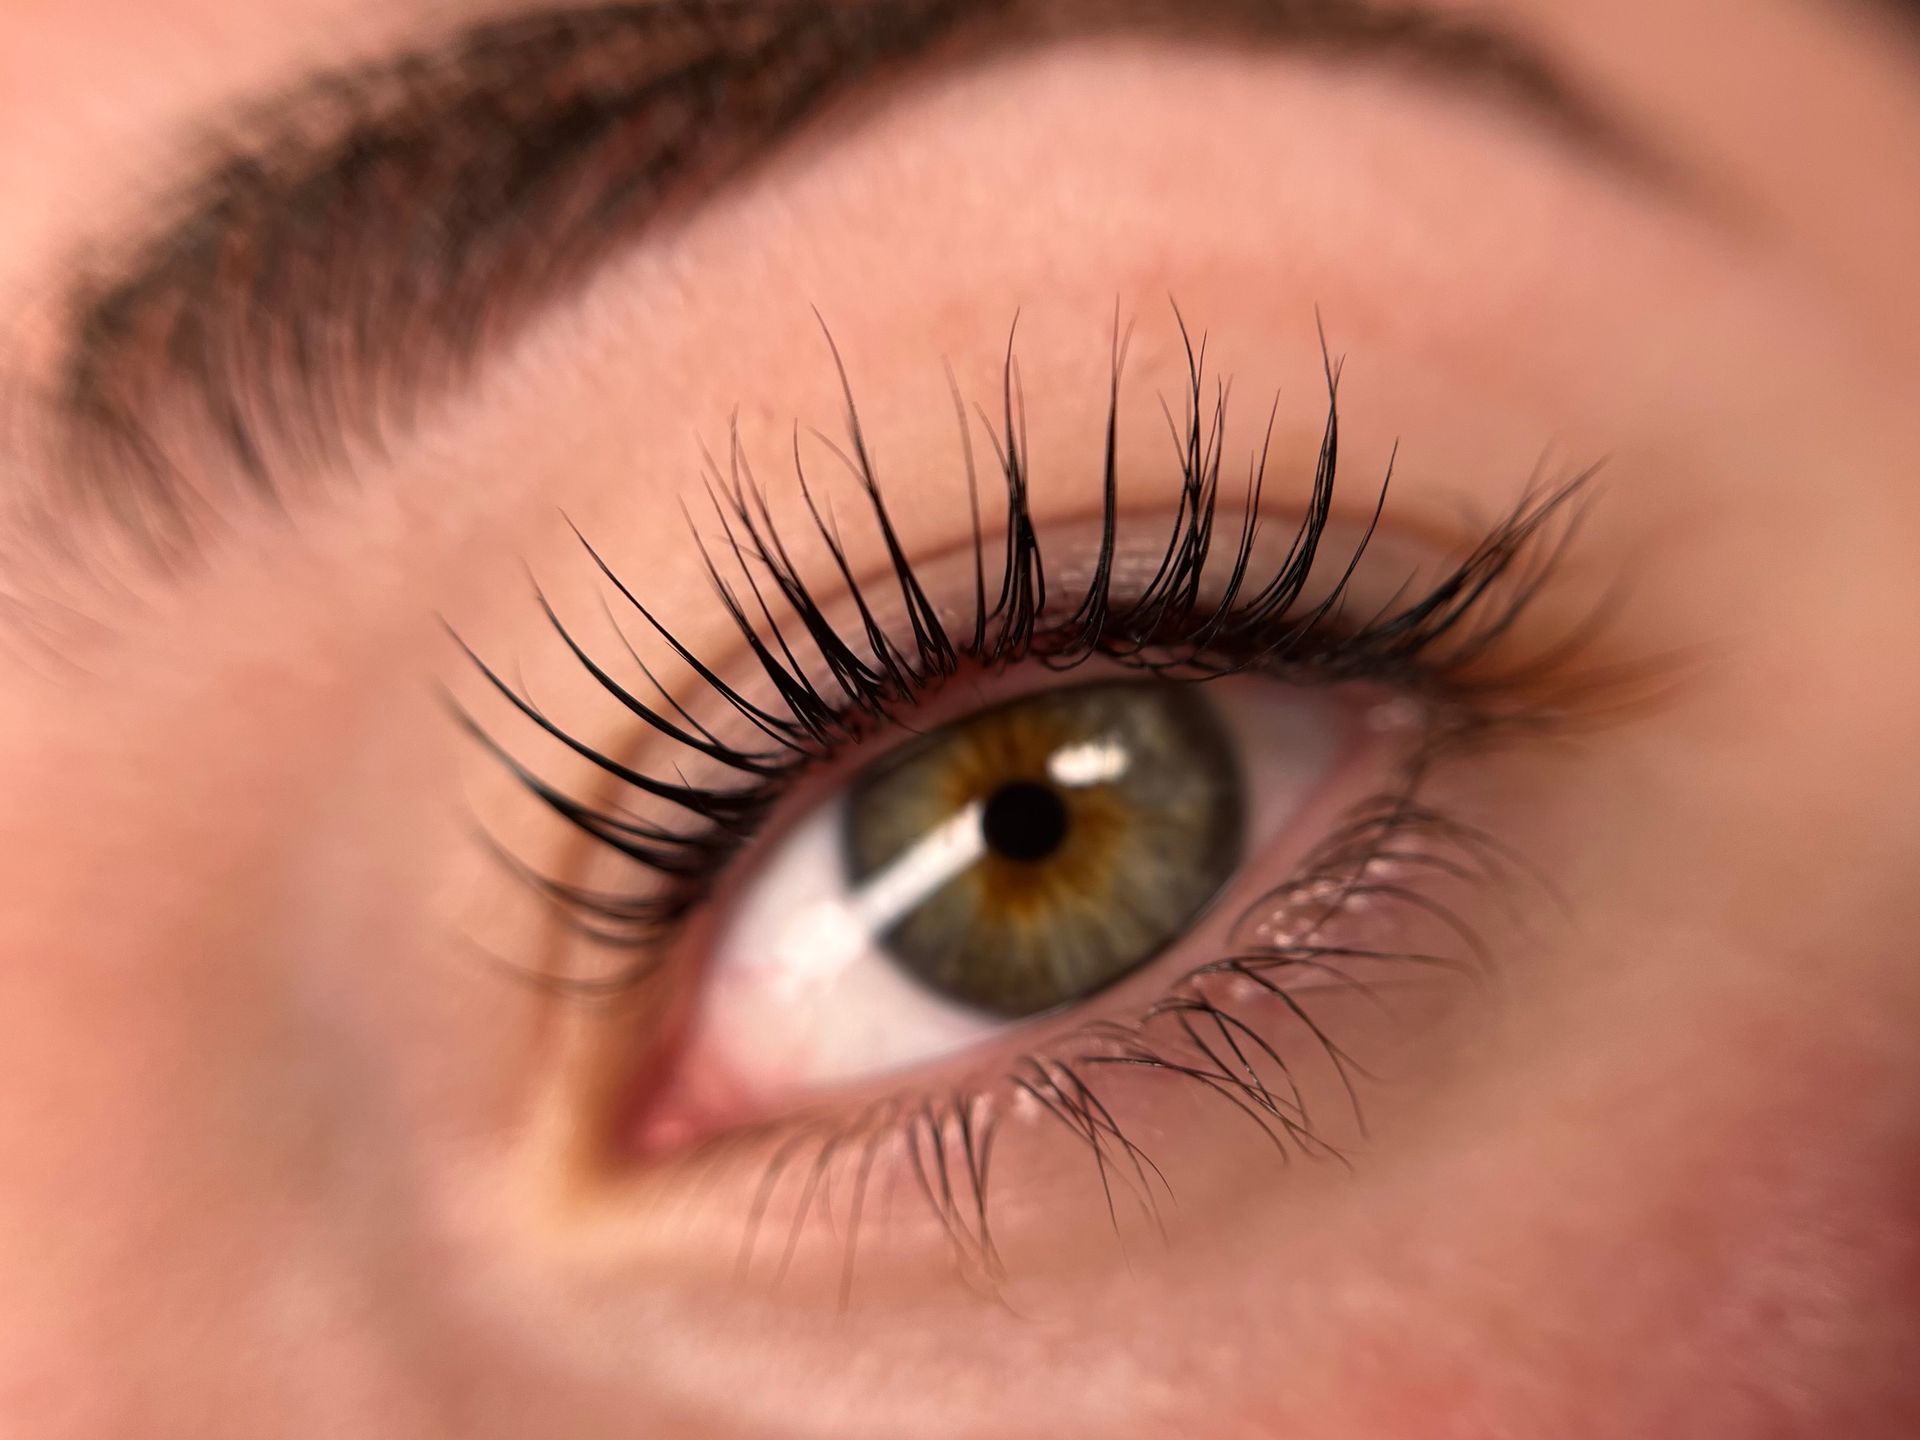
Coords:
1014,862
1004,851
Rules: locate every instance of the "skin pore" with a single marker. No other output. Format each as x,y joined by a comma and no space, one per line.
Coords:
286,1148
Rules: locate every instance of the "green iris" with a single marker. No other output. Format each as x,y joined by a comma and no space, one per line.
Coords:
1035,853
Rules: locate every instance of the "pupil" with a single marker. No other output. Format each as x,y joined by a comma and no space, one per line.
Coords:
1025,821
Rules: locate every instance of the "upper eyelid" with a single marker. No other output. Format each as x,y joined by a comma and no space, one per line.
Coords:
1428,641
424,185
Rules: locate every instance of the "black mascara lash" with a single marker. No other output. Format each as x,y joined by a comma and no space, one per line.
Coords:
859,684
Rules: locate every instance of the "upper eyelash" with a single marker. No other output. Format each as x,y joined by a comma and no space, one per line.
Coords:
1430,645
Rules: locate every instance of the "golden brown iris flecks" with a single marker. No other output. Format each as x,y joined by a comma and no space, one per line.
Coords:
1144,846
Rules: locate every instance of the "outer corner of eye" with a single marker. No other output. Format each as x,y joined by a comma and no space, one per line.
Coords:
993,877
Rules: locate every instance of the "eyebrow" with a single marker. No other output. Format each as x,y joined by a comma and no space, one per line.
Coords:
386,227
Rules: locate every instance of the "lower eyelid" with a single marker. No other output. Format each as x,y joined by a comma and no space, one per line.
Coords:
776,1199
1249,920
889,1190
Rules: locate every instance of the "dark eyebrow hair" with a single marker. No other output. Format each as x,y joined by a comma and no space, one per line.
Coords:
388,225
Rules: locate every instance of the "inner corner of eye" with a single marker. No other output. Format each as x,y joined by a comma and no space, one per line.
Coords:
985,877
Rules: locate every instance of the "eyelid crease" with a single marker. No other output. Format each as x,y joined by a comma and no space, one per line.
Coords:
319,285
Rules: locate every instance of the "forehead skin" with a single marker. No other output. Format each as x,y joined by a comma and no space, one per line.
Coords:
111,174
210,1169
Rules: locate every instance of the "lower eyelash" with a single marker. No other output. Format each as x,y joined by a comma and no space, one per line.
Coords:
1207,1032
1435,646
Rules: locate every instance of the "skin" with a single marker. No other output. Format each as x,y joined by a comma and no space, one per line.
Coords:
281,1152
